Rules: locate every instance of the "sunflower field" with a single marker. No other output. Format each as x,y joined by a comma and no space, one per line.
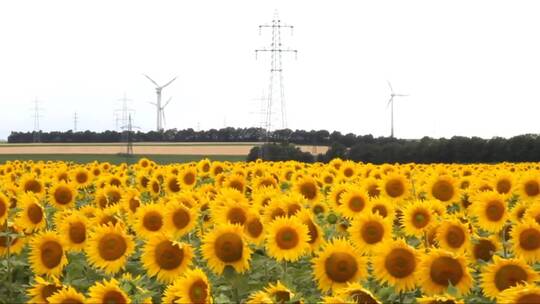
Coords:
269,232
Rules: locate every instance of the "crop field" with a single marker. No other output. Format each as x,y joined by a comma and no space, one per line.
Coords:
211,231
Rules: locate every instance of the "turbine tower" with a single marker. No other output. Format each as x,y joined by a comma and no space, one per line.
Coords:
391,104
160,109
275,86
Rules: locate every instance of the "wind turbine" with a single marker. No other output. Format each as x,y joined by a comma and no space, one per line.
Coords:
391,104
160,109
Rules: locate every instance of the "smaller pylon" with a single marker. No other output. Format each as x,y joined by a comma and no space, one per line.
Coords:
36,134
75,121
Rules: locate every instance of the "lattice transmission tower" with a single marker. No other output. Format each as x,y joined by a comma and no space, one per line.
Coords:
275,100
36,134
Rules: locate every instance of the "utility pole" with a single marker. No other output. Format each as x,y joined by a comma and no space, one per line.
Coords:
275,86
36,135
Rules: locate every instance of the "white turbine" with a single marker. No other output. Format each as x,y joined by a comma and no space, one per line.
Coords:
391,104
160,109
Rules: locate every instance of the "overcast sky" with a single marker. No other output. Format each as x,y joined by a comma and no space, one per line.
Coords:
470,67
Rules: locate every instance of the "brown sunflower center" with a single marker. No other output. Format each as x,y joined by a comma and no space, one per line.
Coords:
108,219
181,218
400,263
277,212
71,301
360,297
63,195
114,297
81,177
395,188
113,197
446,269
287,238
381,209
3,207
35,213
442,190
173,185
308,190
51,254
134,203
198,292
532,188
155,187
530,298
77,232
509,275
237,184
340,267
504,186
312,231
33,186
357,203
152,221
484,250
373,190
236,215
455,236
421,218
254,227
229,247
49,290
292,209
168,256
112,246
495,210
372,232
318,209
348,172
529,239
189,178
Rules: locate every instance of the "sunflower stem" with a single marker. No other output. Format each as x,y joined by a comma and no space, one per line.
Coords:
503,238
400,297
8,265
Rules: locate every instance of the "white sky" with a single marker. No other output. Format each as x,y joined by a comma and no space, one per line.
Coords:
470,67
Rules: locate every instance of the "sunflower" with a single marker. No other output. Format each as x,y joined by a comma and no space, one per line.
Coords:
107,292
355,293
287,239
505,273
81,176
315,233
439,299
31,217
526,241
453,235
179,219
529,187
395,187
42,289
73,228
171,293
165,258
149,220
47,255
254,228
68,295
382,207
275,209
438,269
417,218
62,195
279,293
483,248
372,187
4,208
194,288
259,297
172,184
109,215
108,247
226,245
353,202
337,264
519,210
520,294
396,263
504,183
491,210
267,181
337,192
368,231
442,188
31,184
12,244
231,211
532,212
308,188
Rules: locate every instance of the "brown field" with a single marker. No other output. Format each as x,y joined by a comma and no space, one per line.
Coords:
141,149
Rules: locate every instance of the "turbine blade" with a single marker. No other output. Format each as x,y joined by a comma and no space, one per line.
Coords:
402,95
390,85
389,101
152,80
163,115
168,83
169,100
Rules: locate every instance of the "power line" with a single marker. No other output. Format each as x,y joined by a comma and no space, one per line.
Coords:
125,112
